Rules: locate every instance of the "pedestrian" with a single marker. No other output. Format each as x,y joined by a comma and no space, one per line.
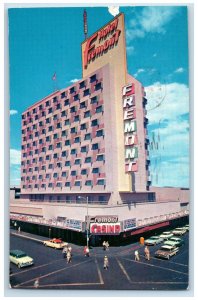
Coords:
106,263
86,251
65,249
70,249
36,283
19,229
147,253
68,257
107,245
104,245
137,257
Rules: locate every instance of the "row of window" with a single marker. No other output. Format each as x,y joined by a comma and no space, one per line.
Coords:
67,184
57,105
63,174
64,114
61,144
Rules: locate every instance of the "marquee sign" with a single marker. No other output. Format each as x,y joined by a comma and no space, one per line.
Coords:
130,127
105,39
105,228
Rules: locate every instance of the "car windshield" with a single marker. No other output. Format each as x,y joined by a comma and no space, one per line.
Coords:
154,238
165,249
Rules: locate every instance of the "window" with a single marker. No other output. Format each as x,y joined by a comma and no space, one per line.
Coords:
67,163
77,183
40,159
36,134
36,117
83,126
94,100
43,113
43,131
55,135
88,160
50,110
82,105
94,122
50,147
73,173
47,120
58,145
93,78
100,157
95,170
50,185
55,117
63,95
77,162
101,182
73,151
99,109
73,130
40,176
66,102
64,133
67,183
82,84
77,139
50,128
40,107
59,165
99,132
64,174
55,155
98,86
36,169
58,125
58,106
72,109
87,136
67,143
64,153
50,166
76,97
48,139
36,185
101,199
63,113
55,175
86,92
47,103
88,182
84,149
87,114
55,99
44,149
59,184
84,171
67,122
40,141
72,90
95,146
47,176
76,118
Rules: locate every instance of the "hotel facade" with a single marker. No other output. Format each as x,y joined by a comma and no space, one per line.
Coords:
85,159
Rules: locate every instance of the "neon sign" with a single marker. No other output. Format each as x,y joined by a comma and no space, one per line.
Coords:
130,127
109,35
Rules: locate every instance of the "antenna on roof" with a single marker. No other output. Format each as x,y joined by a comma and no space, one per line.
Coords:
85,23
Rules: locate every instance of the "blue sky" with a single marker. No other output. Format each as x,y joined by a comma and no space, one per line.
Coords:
47,40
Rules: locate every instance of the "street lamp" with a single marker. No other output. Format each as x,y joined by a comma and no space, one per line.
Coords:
86,199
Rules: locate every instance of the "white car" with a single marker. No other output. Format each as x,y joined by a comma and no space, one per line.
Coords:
55,243
166,235
179,231
20,258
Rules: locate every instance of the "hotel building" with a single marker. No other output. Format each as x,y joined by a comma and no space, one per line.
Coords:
85,160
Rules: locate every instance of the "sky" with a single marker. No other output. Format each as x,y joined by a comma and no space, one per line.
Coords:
43,41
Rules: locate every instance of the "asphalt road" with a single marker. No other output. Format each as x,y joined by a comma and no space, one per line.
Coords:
88,273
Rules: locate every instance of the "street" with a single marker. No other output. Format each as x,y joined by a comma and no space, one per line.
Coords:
53,272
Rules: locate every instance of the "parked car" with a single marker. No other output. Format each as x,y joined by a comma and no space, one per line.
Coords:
186,227
20,258
153,240
174,241
166,251
179,231
55,243
166,235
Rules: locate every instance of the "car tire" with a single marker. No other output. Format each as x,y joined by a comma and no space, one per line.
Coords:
19,266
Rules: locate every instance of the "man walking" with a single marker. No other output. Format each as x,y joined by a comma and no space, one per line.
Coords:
137,257
147,253
106,263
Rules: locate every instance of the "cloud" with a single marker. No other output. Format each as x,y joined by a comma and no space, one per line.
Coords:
130,50
166,101
169,134
179,70
15,157
13,112
152,19
113,10
74,80
138,72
